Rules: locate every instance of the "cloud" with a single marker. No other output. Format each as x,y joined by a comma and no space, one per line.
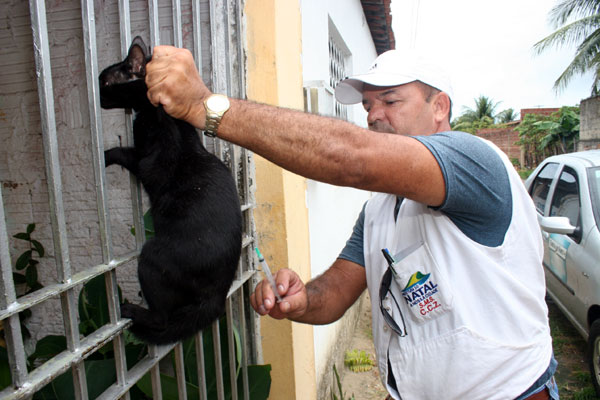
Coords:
487,48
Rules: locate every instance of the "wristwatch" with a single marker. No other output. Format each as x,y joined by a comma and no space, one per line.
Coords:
216,105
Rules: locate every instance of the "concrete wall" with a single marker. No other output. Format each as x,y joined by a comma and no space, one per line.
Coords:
274,76
333,210
589,131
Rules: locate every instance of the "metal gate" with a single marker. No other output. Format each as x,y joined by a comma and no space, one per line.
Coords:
212,30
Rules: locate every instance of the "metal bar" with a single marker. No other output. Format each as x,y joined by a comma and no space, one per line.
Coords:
232,349
218,363
196,27
135,186
50,291
237,283
218,57
46,98
7,287
57,215
177,29
11,326
199,343
240,48
243,338
180,371
140,369
60,363
154,352
154,28
114,312
15,350
91,66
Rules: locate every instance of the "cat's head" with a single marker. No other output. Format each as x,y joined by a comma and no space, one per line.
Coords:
122,85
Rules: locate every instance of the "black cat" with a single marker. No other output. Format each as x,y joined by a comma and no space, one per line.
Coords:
186,269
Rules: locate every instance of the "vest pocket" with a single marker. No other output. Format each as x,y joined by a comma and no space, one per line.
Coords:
423,286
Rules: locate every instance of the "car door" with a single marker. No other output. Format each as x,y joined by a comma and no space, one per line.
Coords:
564,250
540,192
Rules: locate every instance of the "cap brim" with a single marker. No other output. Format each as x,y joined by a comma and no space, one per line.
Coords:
350,90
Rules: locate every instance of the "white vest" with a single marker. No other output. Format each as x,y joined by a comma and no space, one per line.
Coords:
477,325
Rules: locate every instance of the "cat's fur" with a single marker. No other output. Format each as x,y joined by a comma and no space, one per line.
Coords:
187,268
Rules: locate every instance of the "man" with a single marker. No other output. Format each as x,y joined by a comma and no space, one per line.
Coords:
458,297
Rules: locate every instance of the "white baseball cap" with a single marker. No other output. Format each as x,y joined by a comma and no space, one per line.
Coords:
394,68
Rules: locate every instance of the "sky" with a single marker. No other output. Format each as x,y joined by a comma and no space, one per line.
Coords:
488,50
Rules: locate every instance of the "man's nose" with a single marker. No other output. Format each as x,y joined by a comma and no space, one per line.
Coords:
376,113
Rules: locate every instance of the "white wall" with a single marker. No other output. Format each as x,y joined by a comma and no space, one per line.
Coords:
332,210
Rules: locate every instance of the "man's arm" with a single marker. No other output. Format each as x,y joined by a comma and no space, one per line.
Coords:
324,149
323,300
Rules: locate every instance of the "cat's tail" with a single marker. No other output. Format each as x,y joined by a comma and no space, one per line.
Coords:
181,324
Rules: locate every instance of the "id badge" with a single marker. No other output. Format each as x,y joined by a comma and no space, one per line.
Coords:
423,286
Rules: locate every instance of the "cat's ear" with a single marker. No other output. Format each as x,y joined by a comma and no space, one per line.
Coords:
136,57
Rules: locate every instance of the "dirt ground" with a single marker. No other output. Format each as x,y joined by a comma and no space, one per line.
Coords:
572,375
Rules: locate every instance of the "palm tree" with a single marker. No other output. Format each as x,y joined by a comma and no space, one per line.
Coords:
472,119
584,32
484,107
507,115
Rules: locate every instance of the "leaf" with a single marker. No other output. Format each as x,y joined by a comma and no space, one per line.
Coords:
22,236
31,275
169,388
259,381
48,347
5,377
23,260
30,228
93,305
99,376
149,224
19,279
38,247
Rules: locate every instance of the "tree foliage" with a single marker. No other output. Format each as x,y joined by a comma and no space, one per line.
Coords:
545,135
506,116
577,23
482,116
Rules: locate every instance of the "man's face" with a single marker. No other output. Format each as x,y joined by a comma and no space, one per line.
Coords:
399,109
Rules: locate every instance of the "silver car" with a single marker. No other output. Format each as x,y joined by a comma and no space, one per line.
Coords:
566,192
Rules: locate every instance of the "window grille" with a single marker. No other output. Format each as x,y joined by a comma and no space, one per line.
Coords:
212,30
337,71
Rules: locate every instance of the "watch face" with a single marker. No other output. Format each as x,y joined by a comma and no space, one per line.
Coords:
218,103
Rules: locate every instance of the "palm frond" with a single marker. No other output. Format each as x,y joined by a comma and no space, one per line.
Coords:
567,9
586,58
570,34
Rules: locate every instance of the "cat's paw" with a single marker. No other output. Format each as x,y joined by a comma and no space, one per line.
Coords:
128,310
108,160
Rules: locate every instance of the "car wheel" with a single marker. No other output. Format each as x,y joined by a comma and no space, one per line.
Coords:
594,354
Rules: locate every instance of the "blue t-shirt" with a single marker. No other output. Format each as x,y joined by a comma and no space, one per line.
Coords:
478,195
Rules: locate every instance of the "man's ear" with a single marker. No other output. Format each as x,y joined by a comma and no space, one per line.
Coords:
136,57
441,107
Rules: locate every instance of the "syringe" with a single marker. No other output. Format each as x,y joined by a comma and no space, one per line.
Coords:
267,271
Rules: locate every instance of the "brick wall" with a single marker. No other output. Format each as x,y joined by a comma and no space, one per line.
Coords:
539,111
505,138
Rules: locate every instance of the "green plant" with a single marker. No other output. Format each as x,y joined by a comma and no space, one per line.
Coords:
100,365
27,281
358,361
338,386
28,263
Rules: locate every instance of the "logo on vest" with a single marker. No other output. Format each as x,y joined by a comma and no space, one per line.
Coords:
421,291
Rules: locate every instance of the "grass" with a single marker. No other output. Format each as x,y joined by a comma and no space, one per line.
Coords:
572,376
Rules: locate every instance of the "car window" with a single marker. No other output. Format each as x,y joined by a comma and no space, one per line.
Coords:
565,202
541,186
594,183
